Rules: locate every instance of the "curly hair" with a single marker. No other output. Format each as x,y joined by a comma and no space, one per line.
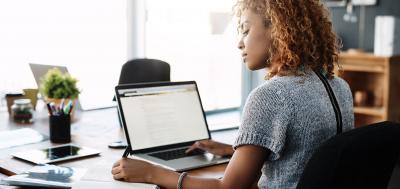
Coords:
301,32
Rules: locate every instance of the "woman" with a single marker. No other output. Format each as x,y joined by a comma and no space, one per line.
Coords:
286,118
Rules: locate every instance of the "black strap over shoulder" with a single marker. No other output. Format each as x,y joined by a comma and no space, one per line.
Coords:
335,104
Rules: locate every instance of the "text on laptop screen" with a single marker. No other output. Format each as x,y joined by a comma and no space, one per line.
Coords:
163,115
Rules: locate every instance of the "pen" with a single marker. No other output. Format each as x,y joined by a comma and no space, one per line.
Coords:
126,153
67,108
70,109
53,109
49,109
62,107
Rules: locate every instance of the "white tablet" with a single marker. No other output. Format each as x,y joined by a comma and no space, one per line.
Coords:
55,154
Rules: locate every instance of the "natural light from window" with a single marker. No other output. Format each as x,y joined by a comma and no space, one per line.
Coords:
199,40
87,36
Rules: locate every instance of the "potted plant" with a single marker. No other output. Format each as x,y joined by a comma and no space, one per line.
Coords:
58,87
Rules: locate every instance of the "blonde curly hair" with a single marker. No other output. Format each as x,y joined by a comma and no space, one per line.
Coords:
301,32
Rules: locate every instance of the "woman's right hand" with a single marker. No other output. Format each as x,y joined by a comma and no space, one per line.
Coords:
212,147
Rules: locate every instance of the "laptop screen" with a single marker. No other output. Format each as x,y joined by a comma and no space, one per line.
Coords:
162,115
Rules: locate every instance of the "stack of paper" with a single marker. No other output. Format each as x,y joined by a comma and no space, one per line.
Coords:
99,177
387,36
20,137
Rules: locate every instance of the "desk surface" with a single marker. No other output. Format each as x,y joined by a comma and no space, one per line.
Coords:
95,129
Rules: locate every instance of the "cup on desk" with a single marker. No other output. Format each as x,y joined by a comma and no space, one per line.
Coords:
60,128
10,97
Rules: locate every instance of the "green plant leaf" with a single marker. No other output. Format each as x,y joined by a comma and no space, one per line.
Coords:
55,84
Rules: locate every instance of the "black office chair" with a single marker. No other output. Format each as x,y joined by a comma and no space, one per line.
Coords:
361,158
142,71
394,182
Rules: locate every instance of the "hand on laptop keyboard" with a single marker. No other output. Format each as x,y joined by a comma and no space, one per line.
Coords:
176,154
212,147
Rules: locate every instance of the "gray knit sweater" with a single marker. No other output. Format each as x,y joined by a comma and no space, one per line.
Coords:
291,116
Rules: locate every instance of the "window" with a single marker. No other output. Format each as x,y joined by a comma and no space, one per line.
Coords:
89,37
199,40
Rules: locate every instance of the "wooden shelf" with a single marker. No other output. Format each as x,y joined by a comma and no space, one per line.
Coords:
363,62
372,111
378,77
363,68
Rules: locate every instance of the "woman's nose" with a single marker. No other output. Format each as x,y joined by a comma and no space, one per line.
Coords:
241,44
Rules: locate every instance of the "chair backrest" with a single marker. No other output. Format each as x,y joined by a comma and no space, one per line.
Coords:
360,158
394,182
144,70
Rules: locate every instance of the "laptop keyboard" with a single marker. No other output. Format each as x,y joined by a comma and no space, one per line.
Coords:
176,154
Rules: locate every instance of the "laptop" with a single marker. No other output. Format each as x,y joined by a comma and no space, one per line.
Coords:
86,100
161,120
40,70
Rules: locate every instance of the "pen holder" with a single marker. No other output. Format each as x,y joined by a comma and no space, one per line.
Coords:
60,128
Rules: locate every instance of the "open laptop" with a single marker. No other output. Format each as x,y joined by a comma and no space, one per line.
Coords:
86,101
40,70
162,120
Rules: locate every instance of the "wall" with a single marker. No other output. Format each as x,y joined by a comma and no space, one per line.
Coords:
349,32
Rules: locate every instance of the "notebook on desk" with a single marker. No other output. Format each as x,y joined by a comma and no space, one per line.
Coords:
162,120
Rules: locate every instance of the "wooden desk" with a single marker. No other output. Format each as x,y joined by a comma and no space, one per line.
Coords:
94,129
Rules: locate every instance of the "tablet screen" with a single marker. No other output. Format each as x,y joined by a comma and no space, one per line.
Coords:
61,152
55,154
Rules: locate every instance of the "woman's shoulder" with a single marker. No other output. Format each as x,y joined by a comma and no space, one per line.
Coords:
278,84
269,86
270,90
340,81
340,84
283,87
341,87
